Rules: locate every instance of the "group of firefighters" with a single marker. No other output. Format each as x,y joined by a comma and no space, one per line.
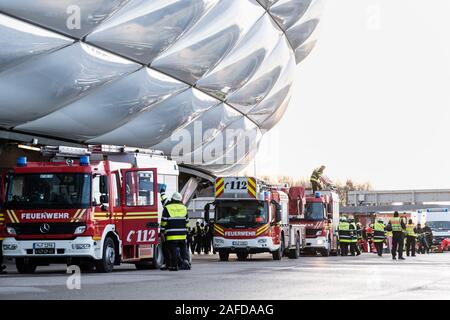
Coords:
199,238
351,235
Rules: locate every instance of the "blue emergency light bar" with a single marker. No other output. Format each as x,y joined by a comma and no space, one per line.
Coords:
84,161
21,161
317,194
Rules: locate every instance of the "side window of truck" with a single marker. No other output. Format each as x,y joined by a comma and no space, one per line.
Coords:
115,189
140,189
99,188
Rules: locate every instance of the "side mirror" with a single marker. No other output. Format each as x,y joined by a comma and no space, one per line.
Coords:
104,184
278,216
104,199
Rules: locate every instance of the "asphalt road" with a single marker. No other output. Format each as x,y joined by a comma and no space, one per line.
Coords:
364,277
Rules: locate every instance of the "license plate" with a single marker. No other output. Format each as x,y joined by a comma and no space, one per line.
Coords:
240,243
44,251
44,245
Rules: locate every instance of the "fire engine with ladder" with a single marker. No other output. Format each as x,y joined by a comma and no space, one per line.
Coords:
95,208
252,217
319,214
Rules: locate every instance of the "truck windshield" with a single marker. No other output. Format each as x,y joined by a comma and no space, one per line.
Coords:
314,211
243,213
439,225
49,191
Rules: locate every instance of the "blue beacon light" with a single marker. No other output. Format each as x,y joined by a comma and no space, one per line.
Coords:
21,161
84,161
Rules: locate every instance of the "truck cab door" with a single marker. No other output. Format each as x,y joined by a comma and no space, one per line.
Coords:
140,206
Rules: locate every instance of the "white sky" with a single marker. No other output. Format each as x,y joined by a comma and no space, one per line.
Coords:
372,104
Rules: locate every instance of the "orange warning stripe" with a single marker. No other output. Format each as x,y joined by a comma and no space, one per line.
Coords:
219,230
262,229
251,187
220,186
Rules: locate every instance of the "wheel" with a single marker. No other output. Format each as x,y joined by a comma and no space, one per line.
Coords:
223,256
242,256
25,267
325,252
86,267
276,255
295,253
106,264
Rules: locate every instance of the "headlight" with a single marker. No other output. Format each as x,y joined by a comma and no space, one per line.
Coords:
11,231
319,241
80,230
9,247
218,241
81,246
319,233
262,240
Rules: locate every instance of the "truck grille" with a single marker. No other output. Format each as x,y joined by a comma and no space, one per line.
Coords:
312,232
55,228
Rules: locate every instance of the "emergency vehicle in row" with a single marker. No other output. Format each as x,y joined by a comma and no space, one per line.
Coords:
95,209
251,217
319,214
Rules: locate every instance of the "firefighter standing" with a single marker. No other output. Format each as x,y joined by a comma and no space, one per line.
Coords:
354,238
165,248
344,235
198,239
411,238
369,237
174,225
397,226
315,179
379,236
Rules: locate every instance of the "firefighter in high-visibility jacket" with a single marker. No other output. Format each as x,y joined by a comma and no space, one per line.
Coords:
411,236
174,226
344,235
316,183
397,226
379,234
354,238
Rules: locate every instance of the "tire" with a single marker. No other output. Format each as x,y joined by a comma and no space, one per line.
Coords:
325,252
277,255
24,267
87,267
106,263
223,256
242,256
295,253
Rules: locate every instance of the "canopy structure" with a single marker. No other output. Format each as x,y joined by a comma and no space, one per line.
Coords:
175,75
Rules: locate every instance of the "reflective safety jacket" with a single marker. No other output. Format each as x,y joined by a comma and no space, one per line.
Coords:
315,177
175,221
344,232
396,224
378,232
410,232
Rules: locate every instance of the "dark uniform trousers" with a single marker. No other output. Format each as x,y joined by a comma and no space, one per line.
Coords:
397,243
174,246
410,245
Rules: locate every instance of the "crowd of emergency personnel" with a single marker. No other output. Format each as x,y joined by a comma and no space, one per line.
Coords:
395,237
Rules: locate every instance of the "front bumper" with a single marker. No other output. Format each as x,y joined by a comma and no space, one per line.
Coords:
317,243
257,245
80,247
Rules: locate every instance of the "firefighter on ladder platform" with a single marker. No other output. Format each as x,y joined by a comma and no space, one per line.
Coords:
315,179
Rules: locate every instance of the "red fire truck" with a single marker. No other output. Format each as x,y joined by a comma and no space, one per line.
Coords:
251,217
319,214
94,209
